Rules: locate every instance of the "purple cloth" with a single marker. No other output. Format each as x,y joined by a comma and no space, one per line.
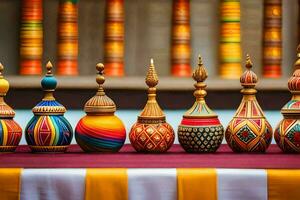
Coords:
128,158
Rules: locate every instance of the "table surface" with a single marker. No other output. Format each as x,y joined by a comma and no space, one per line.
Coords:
128,158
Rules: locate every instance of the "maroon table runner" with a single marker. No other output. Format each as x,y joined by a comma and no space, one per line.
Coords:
128,158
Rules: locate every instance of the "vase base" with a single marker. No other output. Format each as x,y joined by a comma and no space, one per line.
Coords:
7,148
48,149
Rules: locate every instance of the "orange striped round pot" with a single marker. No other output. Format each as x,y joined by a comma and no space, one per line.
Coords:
100,133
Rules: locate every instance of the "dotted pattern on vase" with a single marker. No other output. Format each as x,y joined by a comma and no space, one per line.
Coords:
200,139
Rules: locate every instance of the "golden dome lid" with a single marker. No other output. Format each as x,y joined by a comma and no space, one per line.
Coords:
48,105
248,79
294,81
200,108
152,110
5,110
100,104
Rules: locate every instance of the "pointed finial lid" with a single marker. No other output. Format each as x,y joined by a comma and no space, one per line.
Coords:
297,63
200,74
200,108
151,78
293,82
49,105
151,111
5,110
100,104
293,106
249,78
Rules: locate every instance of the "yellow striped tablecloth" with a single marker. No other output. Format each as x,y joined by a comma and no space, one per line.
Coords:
149,184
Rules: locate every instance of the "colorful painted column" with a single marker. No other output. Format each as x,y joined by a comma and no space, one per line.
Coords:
114,38
272,41
67,47
31,37
181,36
230,40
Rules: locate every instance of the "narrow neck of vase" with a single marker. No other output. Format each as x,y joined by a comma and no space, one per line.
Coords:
48,96
296,97
248,91
152,94
200,91
249,97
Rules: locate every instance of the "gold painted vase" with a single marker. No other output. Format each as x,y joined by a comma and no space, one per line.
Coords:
249,130
287,133
200,130
151,133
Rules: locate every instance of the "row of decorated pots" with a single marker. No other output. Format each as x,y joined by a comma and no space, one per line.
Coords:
200,129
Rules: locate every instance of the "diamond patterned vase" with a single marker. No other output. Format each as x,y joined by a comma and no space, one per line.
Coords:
249,131
153,138
287,133
151,133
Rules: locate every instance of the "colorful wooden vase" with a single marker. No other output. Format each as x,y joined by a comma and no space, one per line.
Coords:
200,129
10,131
100,130
287,133
249,130
48,130
151,133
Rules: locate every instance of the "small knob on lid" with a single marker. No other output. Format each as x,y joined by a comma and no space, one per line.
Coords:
100,79
1,68
49,67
